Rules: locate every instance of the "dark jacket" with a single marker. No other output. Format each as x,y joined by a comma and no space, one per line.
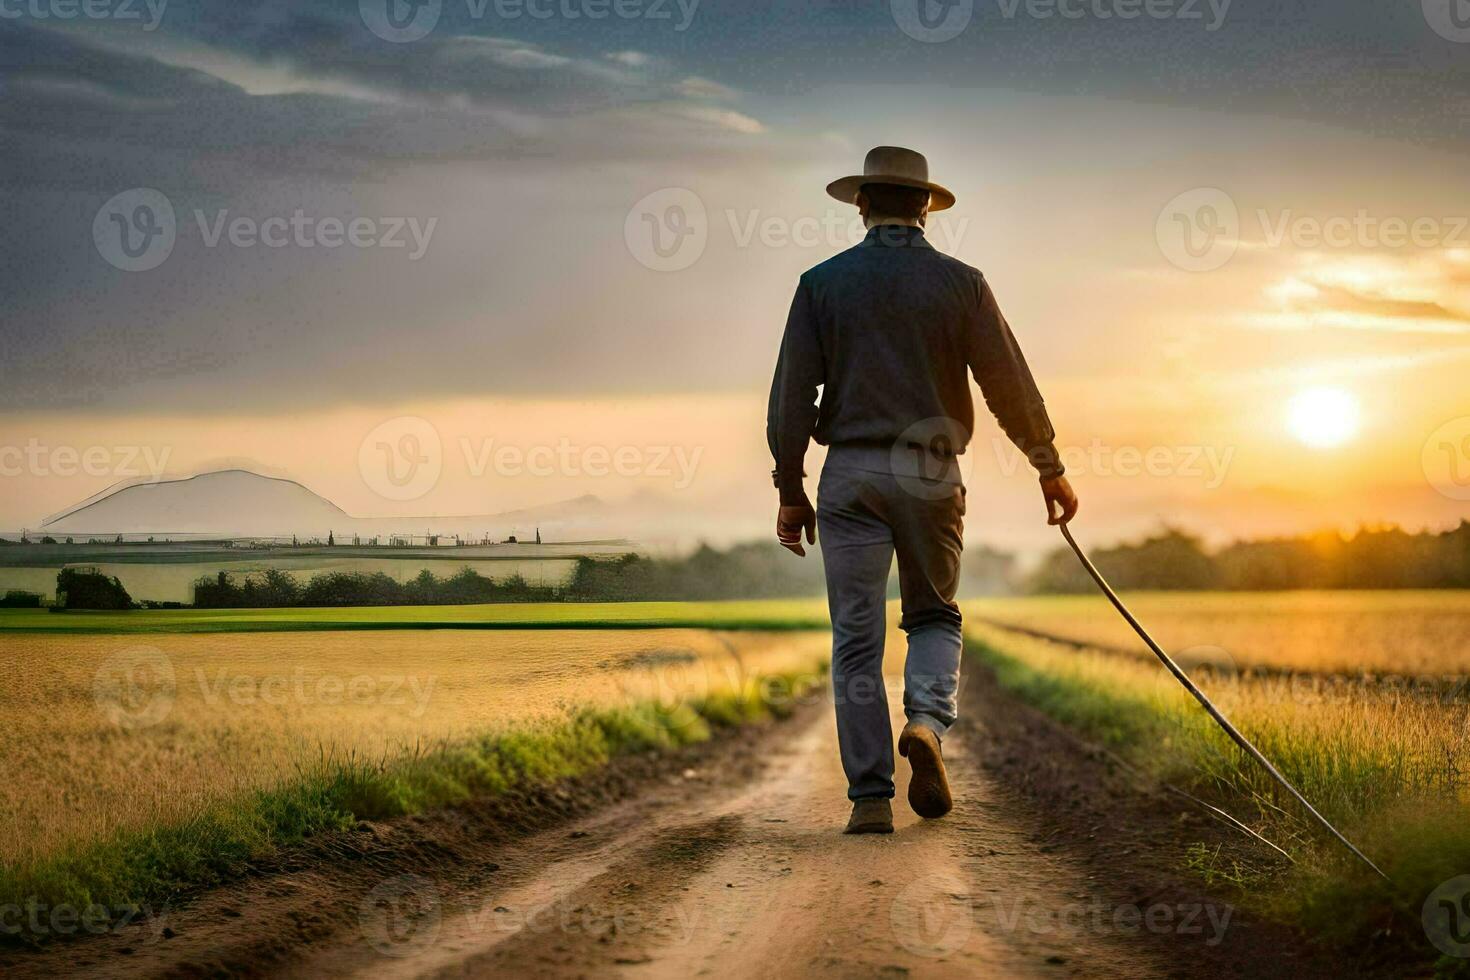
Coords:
891,330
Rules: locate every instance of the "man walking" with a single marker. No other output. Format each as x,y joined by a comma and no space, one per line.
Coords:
889,330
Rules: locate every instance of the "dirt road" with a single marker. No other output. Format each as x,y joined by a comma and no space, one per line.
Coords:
727,861
755,881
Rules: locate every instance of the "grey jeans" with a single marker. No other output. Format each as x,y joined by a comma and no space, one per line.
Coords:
867,513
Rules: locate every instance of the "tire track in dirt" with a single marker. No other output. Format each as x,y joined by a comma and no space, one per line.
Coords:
756,880
324,902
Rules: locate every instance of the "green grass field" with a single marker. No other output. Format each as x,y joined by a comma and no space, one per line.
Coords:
765,614
1384,764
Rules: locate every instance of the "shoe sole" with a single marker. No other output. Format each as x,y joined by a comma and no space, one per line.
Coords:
929,794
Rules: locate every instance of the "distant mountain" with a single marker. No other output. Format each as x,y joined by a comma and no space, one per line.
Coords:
234,502
239,503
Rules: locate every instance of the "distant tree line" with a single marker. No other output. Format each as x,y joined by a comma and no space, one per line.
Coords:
1388,558
277,588
744,571
756,570
1171,560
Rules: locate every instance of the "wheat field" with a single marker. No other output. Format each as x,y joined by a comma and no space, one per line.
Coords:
108,733
1405,632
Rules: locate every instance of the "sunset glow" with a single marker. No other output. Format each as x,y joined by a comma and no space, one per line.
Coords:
1323,418
1317,309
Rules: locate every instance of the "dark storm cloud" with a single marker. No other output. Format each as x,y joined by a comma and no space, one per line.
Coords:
261,109
450,98
293,114
1374,66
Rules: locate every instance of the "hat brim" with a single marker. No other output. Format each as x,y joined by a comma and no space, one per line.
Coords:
846,189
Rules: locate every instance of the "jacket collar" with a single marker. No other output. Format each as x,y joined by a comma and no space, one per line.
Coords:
895,236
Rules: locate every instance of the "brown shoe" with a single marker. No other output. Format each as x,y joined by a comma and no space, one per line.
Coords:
929,787
871,815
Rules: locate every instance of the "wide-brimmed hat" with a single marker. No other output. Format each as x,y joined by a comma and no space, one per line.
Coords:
892,165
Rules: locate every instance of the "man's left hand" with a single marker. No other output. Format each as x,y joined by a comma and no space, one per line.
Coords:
791,521
1061,502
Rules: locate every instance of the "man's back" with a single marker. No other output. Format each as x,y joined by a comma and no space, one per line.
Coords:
892,317
890,330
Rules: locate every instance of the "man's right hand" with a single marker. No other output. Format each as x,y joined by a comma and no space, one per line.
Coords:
1058,495
791,521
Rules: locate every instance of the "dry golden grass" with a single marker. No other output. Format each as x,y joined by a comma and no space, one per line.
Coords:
1405,632
1347,739
95,743
1389,764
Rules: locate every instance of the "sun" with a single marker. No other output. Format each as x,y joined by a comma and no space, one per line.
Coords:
1323,418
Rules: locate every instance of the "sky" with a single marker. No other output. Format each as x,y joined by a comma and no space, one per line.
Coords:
490,243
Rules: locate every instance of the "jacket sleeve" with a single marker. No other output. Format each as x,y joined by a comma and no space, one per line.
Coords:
791,416
1006,383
